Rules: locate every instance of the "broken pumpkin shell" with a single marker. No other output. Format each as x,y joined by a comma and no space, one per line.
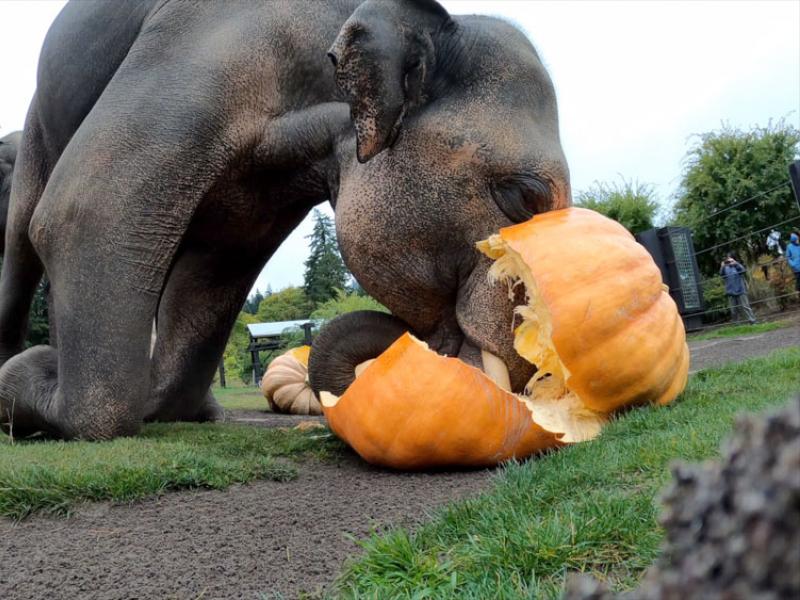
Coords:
285,384
414,409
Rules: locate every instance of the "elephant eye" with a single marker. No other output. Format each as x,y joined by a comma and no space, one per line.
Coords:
521,196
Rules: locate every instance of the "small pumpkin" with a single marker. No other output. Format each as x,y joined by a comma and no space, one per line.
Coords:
285,384
598,324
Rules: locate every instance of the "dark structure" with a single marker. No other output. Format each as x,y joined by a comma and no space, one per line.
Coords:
269,337
733,527
794,177
673,251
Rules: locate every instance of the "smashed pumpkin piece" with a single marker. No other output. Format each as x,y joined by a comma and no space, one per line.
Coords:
285,384
414,409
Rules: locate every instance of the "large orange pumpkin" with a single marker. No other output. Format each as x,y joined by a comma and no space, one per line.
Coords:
599,320
598,324
285,384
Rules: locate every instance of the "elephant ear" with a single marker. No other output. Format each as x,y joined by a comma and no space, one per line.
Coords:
382,58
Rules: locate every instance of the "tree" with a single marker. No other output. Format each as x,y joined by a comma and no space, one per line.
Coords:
252,303
631,204
287,305
236,357
325,270
736,185
38,322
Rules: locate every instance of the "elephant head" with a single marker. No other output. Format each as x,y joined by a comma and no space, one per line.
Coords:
8,155
456,136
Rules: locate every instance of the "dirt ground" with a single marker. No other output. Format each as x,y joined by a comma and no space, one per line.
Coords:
263,540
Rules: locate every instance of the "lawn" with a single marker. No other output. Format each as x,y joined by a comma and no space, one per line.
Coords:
591,507
241,398
52,477
740,330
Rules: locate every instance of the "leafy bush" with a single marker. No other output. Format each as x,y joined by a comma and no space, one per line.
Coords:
631,204
345,303
289,304
236,358
716,302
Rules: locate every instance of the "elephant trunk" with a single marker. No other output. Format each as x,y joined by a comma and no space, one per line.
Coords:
347,341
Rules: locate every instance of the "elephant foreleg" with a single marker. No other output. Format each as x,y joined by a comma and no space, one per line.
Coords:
204,293
107,228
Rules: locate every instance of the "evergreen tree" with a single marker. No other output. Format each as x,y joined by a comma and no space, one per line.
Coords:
39,325
252,303
325,270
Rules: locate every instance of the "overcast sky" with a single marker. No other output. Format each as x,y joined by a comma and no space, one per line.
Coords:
634,81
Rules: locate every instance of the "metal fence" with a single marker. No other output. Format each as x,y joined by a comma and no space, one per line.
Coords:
777,299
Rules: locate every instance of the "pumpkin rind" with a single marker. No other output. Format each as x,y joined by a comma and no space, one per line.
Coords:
414,409
285,384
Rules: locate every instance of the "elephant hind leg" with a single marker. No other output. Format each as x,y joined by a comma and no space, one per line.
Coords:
347,341
22,268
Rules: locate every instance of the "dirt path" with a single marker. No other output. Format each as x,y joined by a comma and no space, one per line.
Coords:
264,540
712,353
250,542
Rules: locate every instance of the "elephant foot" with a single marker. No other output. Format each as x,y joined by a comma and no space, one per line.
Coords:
182,410
210,410
28,387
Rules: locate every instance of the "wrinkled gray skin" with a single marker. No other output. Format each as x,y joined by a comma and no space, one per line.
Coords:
164,162
8,156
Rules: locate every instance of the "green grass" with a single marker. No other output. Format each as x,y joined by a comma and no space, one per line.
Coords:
590,507
737,330
241,398
52,477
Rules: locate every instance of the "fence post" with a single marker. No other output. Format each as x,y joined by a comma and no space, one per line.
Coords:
222,372
794,177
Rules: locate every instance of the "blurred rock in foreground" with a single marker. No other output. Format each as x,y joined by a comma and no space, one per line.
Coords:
733,526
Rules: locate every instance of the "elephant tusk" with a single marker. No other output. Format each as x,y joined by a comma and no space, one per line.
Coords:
328,400
496,370
361,367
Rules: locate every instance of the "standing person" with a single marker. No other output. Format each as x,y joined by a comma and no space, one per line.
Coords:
793,258
732,273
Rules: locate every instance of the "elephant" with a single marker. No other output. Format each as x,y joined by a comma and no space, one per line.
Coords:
172,146
8,156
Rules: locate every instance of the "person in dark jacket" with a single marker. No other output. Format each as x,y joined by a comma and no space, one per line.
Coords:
793,258
733,276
